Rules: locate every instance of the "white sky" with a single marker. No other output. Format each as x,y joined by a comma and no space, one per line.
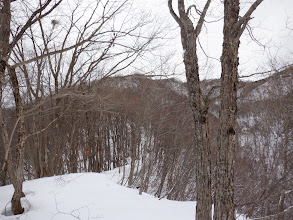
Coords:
269,26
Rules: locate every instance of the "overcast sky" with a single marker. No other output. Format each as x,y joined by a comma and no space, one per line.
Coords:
270,26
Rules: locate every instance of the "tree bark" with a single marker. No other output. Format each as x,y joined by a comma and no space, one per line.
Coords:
15,175
224,201
234,25
18,193
199,108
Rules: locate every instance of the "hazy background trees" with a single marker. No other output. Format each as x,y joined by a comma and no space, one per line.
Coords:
136,122
47,46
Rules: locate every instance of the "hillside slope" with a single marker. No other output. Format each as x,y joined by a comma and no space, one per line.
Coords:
91,196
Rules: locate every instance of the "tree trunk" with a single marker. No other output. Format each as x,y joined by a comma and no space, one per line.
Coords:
133,157
199,107
16,177
164,172
234,25
16,203
224,200
100,150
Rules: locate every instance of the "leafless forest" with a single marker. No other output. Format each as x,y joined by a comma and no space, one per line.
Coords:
67,106
146,124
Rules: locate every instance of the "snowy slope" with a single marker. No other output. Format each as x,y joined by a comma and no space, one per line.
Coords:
91,196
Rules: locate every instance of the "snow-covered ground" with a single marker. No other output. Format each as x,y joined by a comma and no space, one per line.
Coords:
90,196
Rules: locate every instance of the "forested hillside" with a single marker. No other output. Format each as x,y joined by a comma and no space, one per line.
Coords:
156,90
146,123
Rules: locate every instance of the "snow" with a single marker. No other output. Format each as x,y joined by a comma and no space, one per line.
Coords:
90,196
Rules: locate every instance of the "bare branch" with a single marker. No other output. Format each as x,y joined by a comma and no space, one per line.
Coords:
250,11
174,15
50,54
252,36
80,43
201,19
267,72
193,6
209,57
243,21
33,20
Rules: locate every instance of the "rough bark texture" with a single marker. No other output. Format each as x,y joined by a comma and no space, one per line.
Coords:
16,174
224,201
199,108
5,17
233,29
18,193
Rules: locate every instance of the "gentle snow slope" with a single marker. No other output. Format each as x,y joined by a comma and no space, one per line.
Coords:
90,196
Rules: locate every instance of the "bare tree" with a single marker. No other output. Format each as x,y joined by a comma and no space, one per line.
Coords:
98,46
6,49
234,26
199,104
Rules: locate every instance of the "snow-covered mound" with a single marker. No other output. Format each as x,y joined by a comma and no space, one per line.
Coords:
87,196
90,196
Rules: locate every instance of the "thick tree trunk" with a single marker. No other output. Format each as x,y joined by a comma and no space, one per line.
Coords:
16,203
5,17
234,25
224,200
200,114
18,194
199,107
16,177
8,155
202,147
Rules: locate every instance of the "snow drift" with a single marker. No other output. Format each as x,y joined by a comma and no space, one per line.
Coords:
87,196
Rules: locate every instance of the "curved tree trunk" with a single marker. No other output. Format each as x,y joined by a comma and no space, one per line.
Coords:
18,193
